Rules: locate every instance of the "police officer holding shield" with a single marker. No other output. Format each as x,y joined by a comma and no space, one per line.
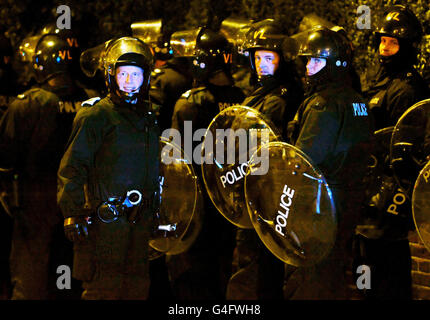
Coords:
202,272
277,95
333,127
110,172
392,88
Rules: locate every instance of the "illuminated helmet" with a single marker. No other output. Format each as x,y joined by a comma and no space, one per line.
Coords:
212,53
264,35
51,57
330,45
401,23
127,51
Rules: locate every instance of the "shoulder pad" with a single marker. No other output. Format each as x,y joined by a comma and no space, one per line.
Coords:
186,94
90,102
156,72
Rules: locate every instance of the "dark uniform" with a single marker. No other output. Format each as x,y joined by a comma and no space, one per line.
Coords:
168,83
334,130
113,149
33,133
394,86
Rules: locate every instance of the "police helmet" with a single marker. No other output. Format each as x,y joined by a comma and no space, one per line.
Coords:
212,53
127,51
401,23
52,56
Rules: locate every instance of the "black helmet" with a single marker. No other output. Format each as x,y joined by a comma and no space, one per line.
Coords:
127,51
331,46
265,35
52,56
212,53
401,23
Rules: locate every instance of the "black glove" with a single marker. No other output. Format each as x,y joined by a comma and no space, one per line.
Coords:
76,228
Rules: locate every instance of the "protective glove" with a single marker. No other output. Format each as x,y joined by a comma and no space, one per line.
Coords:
76,228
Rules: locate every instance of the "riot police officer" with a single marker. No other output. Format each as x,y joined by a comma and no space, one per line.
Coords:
277,95
205,266
33,134
112,152
334,129
394,85
391,89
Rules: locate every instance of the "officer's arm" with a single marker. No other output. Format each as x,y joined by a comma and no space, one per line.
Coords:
318,133
400,99
16,126
274,109
73,173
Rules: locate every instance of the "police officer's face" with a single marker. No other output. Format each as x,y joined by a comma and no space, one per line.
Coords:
129,78
388,46
266,62
314,65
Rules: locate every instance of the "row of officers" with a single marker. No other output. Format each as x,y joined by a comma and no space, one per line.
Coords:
73,151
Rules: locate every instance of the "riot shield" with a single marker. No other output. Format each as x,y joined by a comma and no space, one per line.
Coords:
230,140
178,200
235,31
410,144
291,207
421,205
379,160
183,43
148,31
92,59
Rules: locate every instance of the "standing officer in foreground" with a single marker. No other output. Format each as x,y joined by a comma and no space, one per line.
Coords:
391,89
113,153
277,94
333,128
33,134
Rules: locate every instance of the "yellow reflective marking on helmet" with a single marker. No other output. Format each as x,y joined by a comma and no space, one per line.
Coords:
393,15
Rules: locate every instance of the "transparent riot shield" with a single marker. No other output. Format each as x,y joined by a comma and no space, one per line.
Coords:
379,159
27,48
148,31
291,206
410,144
92,59
183,43
421,205
230,140
178,200
235,31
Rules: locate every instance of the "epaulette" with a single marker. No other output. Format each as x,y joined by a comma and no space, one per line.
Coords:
21,96
156,72
186,94
90,102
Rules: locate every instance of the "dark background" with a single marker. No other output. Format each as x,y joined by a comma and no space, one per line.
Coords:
98,21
